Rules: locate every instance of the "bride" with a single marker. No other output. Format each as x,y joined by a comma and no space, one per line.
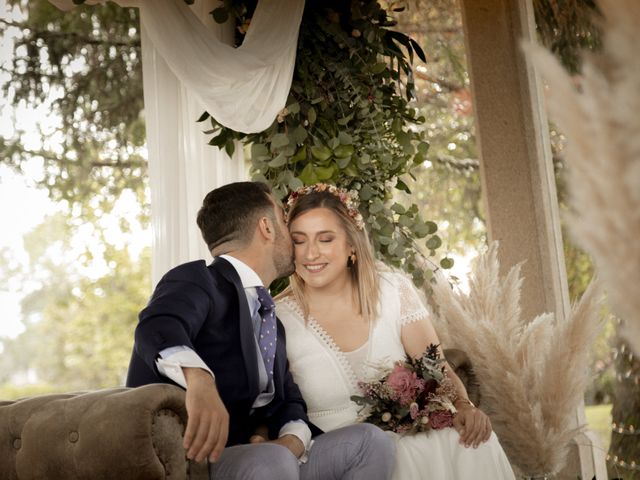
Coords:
345,316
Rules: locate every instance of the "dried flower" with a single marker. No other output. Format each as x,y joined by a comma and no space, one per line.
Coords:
413,397
405,384
348,198
441,419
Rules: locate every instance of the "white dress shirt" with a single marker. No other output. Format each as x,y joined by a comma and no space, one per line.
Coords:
173,359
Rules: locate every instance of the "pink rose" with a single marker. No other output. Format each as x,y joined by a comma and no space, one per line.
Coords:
441,419
405,384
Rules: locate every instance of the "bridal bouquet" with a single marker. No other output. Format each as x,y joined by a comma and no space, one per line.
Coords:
413,397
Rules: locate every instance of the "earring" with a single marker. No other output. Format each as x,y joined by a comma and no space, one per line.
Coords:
352,259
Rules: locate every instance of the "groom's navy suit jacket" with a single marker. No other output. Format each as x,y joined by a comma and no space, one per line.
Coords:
205,308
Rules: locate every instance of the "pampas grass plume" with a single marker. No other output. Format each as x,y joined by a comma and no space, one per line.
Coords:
532,373
601,122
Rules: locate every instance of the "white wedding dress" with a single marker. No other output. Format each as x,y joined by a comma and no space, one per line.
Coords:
327,378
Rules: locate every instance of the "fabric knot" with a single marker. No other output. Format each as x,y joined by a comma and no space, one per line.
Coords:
265,299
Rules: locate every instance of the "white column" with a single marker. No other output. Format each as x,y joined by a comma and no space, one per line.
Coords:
517,173
182,167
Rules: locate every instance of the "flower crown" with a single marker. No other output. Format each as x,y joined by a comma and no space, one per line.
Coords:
348,198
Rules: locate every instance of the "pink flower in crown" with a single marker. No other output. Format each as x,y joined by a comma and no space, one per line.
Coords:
441,419
348,199
405,384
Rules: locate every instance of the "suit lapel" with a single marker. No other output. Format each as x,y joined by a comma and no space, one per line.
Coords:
247,337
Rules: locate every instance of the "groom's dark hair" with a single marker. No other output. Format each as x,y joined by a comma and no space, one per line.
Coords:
229,213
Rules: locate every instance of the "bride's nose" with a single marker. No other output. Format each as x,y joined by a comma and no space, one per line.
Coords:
312,251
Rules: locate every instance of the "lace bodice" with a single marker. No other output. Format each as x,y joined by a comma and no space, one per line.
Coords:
323,372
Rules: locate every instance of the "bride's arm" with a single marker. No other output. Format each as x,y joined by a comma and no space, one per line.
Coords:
471,423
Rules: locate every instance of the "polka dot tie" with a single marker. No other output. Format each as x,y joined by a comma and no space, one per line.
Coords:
268,335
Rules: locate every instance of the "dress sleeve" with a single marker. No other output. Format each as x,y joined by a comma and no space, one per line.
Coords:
412,307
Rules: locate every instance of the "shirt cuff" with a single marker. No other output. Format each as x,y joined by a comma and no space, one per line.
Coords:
173,359
300,429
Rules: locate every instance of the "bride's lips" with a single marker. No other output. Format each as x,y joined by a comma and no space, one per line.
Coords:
315,268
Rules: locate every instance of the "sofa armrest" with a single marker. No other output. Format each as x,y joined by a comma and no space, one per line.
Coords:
123,433
461,364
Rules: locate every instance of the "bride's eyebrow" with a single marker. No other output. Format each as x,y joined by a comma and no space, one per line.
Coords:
321,232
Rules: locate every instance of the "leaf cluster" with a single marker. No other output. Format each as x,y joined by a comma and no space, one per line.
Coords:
349,121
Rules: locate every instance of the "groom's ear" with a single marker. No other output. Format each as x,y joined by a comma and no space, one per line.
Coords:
266,228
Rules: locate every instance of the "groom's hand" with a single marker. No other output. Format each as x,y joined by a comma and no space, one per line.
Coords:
208,420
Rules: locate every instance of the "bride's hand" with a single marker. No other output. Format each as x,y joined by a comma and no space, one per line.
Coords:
260,435
472,424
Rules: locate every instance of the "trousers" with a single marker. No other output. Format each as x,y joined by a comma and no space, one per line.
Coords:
355,452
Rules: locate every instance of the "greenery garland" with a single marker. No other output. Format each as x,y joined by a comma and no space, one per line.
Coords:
348,121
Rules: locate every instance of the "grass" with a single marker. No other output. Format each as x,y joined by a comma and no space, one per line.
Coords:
599,420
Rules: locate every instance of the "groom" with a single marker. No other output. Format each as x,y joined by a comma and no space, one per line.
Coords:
213,330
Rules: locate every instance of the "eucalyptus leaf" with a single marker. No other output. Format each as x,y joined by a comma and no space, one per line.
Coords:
279,161
298,135
324,173
400,185
342,151
378,67
434,242
294,108
345,138
333,143
343,162
311,115
203,117
446,263
295,183
279,140
308,176
398,208
259,150
321,153
301,154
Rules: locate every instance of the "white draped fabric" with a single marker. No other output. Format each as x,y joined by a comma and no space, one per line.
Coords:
189,67
182,167
243,88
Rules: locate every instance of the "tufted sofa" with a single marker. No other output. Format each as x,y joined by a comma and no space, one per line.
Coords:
117,433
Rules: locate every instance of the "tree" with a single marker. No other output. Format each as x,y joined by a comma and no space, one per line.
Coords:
79,330
84,68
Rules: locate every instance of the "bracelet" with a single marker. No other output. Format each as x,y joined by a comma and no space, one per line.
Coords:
464,400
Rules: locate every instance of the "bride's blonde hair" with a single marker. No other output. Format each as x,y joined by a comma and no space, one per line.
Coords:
363,272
